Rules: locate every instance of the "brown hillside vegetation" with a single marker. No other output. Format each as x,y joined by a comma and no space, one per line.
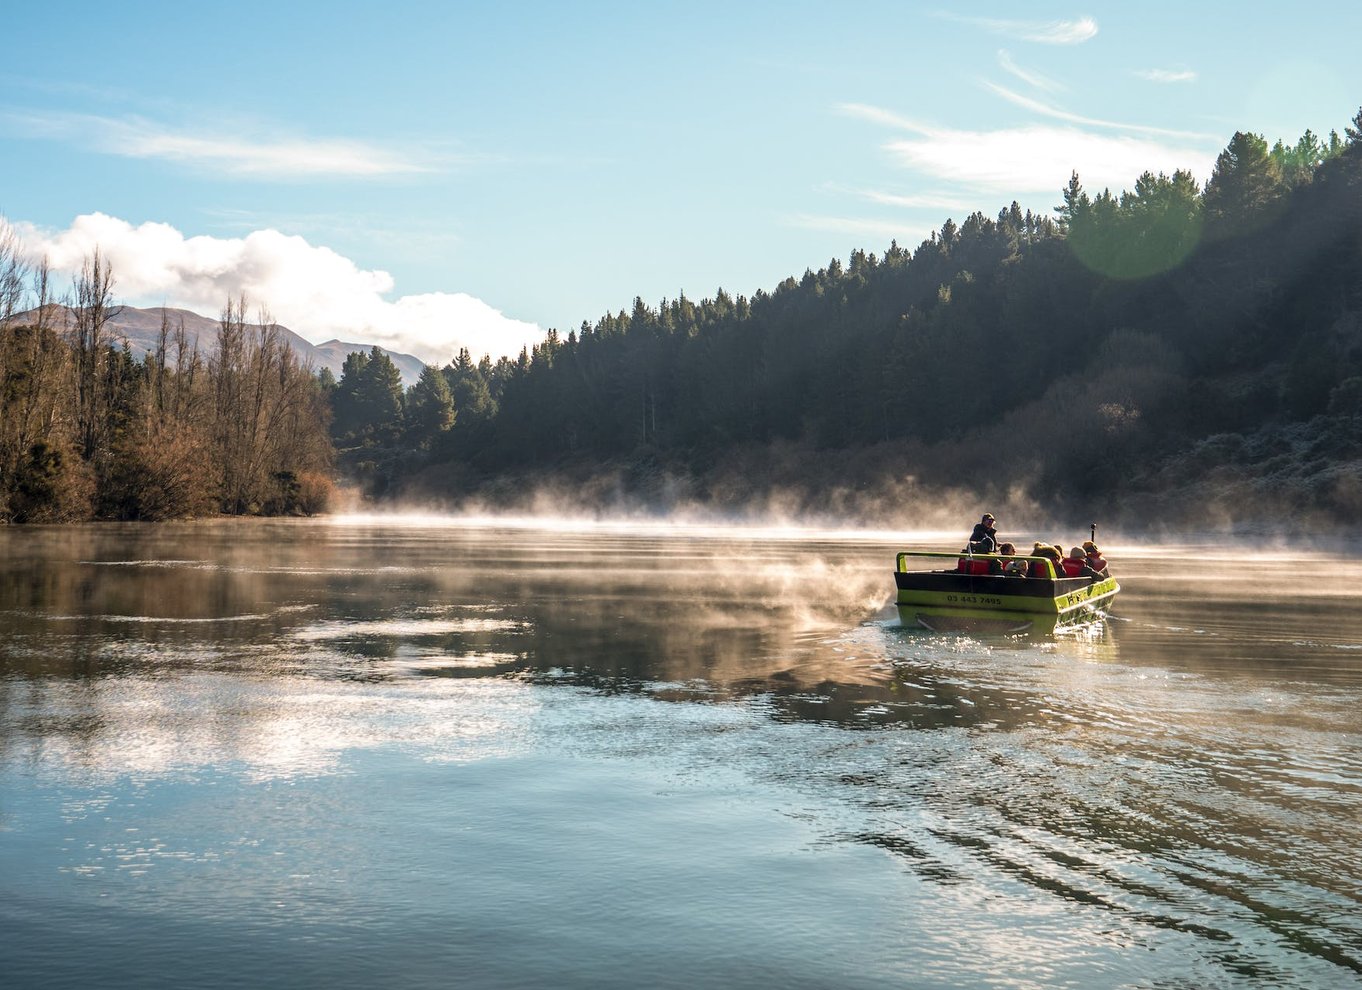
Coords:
89,432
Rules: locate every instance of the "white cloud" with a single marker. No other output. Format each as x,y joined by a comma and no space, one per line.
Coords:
236,154
1039,159
1028,76
1167,75
310,289
1042,32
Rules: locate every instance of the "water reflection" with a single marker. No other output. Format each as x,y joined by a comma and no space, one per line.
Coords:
1187,772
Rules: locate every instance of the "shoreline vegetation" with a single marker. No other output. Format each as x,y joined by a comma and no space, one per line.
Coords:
1173,356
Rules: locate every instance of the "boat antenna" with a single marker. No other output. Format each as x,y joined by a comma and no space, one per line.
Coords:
1094,533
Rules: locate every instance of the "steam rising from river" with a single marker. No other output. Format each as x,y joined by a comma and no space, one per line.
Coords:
678,525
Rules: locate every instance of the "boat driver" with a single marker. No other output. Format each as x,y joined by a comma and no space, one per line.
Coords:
984,539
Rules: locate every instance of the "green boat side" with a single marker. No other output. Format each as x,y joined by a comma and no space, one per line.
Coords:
950,600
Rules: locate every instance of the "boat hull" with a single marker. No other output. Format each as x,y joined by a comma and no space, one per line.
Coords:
952,601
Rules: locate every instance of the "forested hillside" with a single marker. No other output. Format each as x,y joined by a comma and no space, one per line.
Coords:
1170,353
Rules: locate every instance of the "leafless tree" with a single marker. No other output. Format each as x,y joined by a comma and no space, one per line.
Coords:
91,312
87,429
14,272
39,478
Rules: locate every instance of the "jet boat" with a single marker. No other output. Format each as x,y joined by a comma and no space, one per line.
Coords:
976,594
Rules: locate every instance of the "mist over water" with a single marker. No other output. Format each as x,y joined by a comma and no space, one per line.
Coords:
409,751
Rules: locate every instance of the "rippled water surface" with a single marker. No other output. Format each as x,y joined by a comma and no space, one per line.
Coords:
418,753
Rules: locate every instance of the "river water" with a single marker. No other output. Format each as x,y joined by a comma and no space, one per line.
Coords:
431,753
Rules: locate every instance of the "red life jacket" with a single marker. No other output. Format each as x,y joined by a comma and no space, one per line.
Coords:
973,565
1072,567
1038,569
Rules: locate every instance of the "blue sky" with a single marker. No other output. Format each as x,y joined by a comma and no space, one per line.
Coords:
431,175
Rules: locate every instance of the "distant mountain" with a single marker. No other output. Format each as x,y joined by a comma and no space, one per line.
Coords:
332,355
141,329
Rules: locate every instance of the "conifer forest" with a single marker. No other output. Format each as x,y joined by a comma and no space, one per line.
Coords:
1166,353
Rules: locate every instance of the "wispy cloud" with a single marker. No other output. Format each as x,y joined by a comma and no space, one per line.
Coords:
1027,76
1031,159
309,288
862,227
928,209
910,201
1046,110
879,115
235,154
1073,32
915,202
1167,75
1038,158
64,87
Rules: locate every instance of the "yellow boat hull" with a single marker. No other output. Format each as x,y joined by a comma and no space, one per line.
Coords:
956,601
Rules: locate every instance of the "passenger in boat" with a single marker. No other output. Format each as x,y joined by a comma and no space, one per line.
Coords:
1010,568
984,539
1037,569
1095,559
1076,565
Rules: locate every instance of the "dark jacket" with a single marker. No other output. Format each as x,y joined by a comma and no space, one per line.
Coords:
984,539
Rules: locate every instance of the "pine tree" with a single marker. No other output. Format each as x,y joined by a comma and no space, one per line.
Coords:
381,396
429,409
346,405
368,400
1244,185
469,388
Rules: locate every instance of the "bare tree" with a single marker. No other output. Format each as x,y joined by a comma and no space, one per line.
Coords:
226,368
14,272
188,372
92,310
269,416
85,428
35,410
39,474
